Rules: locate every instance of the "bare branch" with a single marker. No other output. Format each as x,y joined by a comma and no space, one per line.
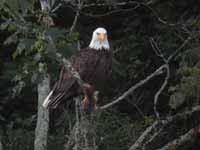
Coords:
133,88
159,53
136,106
152,137
79,7
160,90
146,137
111,12
106,4
189,136
179,49
157,16
157,50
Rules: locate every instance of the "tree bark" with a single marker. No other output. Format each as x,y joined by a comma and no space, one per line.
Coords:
176,143
41,131
1,146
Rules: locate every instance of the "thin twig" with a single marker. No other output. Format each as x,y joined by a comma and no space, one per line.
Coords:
179,49
158,17
79,7
110,12
157,50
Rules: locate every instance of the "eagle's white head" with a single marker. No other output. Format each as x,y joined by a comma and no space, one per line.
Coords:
99,39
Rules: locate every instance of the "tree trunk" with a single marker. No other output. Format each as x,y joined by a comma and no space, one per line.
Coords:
1,146
41,131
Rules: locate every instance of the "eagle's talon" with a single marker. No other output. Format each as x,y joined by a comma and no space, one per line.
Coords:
84,101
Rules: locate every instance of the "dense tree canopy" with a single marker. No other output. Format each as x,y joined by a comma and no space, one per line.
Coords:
152,100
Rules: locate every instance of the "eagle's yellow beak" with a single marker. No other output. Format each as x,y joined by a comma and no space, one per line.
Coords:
101,37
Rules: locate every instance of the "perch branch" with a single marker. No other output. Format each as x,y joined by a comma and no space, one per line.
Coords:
133,88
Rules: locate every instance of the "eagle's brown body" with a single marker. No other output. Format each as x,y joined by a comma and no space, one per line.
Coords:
94,68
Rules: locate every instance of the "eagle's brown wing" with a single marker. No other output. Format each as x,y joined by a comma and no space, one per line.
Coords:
84,62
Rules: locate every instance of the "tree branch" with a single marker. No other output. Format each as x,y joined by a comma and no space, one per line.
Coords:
179,49
133,88
146,137
110,12
189,136
160,54
145,134
79,7
160,90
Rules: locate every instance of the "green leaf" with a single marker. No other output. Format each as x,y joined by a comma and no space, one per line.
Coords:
20,5
11,39
56,33
12,27
24,45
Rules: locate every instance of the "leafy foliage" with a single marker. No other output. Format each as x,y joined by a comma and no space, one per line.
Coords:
188,90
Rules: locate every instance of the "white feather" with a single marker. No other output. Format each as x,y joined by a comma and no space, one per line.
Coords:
96,44
47,100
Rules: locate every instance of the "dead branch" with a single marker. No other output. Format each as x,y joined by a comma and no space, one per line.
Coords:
110,12
189,136
106,4
152,131
79,7
133,88
155,73
158,17
179,49
157,50
161,55
145,134
160,91
151,2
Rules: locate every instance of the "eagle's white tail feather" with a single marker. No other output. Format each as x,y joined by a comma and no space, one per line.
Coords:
47,100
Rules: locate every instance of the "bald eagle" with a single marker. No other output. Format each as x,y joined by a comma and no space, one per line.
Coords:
94,67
